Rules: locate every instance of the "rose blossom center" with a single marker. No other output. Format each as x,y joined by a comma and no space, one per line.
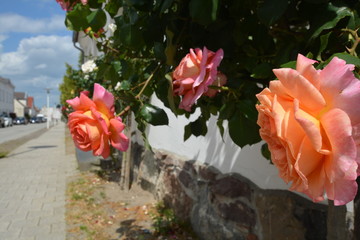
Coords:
103,116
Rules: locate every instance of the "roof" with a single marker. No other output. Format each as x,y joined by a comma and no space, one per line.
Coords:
30,102
19,95
6,81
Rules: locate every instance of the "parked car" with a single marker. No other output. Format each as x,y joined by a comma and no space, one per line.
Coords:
20,120
7,120
34,120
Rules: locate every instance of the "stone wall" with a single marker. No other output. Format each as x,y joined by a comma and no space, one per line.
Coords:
228,206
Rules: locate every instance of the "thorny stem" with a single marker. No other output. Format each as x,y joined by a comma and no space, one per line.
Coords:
124,111
140,84
352,50
147,82
127,108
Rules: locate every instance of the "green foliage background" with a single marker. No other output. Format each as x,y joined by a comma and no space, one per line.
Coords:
257,36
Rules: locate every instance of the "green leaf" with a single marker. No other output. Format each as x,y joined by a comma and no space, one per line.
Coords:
219,123
262,71
170,47
112,7
265,152
187,132
170,93
102,69
130,35
159,51
154,115
272,10
116,65
328,18
76,20
125,85
248,109
97,19
166,4
350,59
243,131
142,5
198,127
324,39
203,11
291,64
227,110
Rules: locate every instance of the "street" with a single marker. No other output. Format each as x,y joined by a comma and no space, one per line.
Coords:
19,131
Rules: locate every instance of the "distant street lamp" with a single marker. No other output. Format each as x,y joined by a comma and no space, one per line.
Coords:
47,107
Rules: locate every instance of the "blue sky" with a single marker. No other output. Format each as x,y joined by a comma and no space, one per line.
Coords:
34,47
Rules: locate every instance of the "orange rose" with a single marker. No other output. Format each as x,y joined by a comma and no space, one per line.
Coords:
310,120
94,126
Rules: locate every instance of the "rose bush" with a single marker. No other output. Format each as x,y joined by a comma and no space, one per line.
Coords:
310,120
93,124
196,71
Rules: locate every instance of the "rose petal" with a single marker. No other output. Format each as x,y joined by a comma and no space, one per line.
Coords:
305,67
310,125
83,103
104,100
338,129
316,184
118,139
304,166
102,120
342,191
340,88
300,88
203,55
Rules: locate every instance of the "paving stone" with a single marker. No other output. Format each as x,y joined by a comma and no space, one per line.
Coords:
35,231
4,226
10,235
19,224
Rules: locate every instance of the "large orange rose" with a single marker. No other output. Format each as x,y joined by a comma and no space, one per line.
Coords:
310,119
196,71
93,124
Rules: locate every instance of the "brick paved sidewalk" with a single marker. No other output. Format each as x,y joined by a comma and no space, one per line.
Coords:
32,188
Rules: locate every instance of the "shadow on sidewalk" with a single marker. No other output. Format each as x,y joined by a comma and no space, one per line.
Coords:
32,148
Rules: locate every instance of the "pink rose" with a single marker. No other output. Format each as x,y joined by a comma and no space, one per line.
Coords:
196,71
66,4
310,119
93,123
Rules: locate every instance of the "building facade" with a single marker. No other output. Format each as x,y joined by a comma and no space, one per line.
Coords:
20,104
6,96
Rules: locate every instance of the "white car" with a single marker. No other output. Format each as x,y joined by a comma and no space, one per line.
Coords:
7,120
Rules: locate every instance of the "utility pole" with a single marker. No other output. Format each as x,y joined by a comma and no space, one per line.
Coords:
47,107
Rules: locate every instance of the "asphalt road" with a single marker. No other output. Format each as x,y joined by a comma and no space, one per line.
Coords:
19,131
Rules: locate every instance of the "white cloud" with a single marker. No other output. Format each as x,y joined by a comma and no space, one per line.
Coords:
40,66
38,63
16,23
2,38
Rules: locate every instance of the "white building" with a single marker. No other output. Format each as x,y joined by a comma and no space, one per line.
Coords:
6,95
20,104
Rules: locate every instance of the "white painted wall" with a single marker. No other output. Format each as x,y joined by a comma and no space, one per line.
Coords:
6,96
220,153
213,150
